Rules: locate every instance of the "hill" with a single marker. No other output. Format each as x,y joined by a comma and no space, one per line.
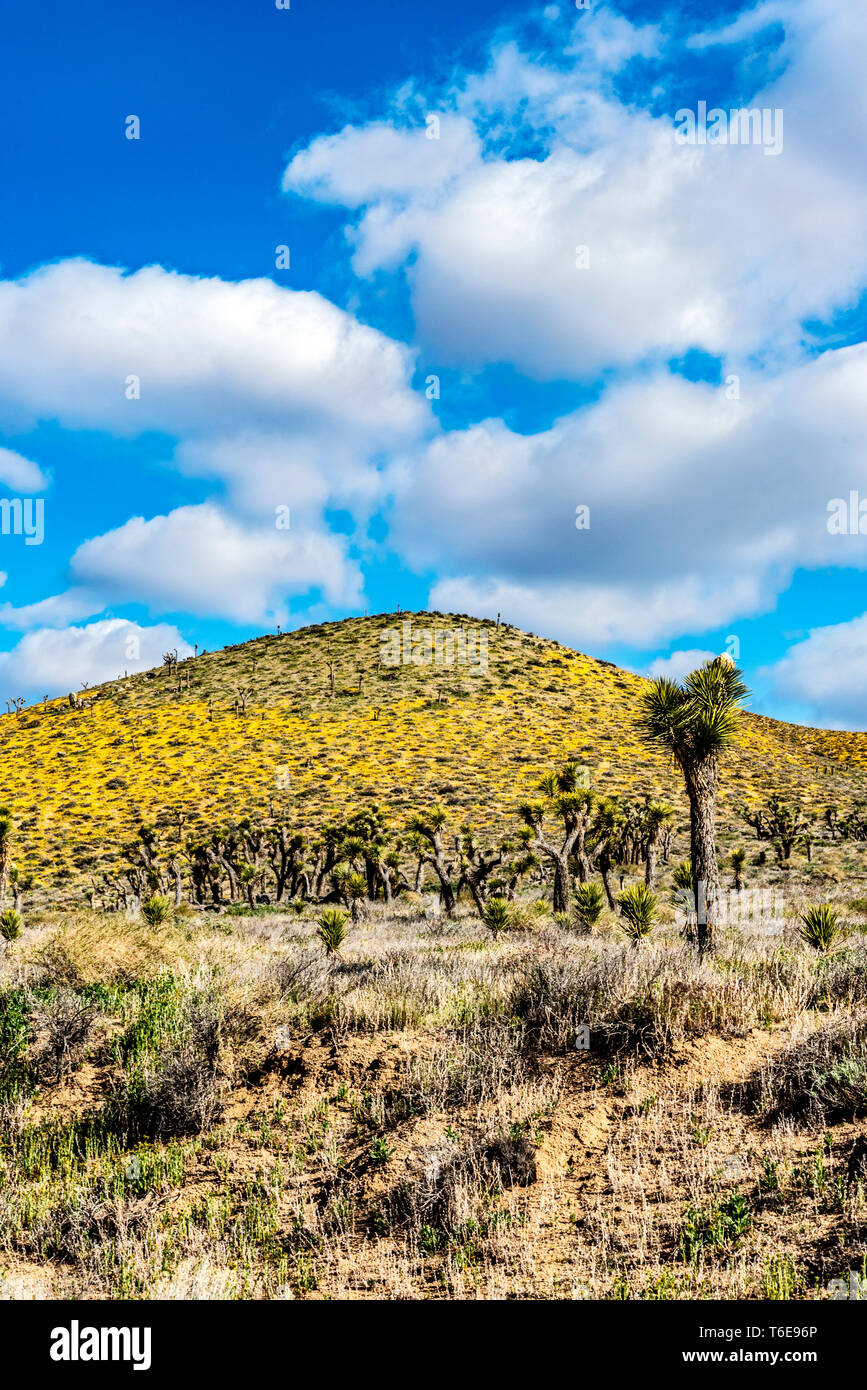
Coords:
308,723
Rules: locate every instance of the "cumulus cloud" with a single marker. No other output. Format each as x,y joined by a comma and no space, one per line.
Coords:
20,474
827,672
49,661
700,506
678,664
714,246
592,616
199,560
265,388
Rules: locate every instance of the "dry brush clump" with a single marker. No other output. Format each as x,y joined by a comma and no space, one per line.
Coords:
820,1076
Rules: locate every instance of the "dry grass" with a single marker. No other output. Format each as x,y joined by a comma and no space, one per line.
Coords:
248,1119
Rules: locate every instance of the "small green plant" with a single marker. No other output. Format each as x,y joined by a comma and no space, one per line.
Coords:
10,924
156,910
589,902
714,1228
640,911
381,1151
332,930
498,915
821,927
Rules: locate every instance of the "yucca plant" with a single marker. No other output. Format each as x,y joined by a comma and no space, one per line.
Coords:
156,909
589,902
821,927
498,915
683,877
640,911
737,859
332,929
10,924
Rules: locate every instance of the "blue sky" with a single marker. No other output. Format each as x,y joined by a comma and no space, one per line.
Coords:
153,260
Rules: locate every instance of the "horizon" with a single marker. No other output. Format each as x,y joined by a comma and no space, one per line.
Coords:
403,613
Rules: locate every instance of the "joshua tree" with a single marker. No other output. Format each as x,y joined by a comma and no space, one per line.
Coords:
574,807
426,839
20,883
5,851
656,815
607,833
779,820
497,915
821,927
696,722
10,925
737,859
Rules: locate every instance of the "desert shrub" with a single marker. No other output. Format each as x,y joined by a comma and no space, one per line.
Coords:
640,911
822,1076
182,1096
62,1027
821,927
156,909
456,1184
841,978
332,929
469,1067
497,915
589,902
524,916
10,924
300,974
646,1001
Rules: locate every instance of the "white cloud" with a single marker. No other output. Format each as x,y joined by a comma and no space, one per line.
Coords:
20,474
269,389
199,560
678,664
827,672
53,660
592,615
700,507
359,165
56,611
717,246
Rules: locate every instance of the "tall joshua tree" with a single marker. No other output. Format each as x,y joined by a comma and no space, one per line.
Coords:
696,721
5,852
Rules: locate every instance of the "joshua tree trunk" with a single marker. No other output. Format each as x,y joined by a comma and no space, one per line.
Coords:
446,888
562,893
701,780
604,866
650,865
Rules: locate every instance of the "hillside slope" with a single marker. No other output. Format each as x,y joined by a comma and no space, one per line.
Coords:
255,729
